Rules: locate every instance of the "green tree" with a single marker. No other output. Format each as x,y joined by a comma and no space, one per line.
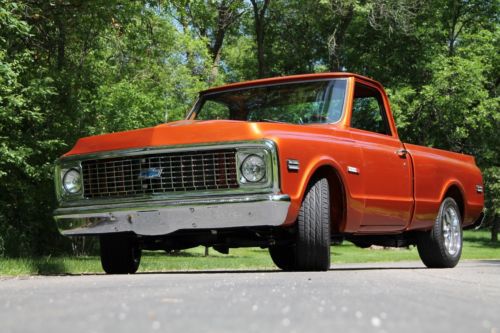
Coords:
25,95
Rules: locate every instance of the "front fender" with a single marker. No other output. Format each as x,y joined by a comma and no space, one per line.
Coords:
302,179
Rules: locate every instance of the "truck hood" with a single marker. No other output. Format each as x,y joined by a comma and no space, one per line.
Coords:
176,133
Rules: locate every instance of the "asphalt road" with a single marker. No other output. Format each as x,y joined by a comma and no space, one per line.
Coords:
387,297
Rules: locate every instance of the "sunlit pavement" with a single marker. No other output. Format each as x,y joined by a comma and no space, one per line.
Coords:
381,297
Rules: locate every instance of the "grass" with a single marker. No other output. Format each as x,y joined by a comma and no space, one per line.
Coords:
476,246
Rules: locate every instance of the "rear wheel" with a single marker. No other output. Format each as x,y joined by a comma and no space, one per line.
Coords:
120,254
311,251
442,246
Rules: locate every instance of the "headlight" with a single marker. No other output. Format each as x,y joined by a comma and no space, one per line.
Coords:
72,181
253,168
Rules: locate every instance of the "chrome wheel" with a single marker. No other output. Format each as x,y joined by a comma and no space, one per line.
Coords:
441,247
452,235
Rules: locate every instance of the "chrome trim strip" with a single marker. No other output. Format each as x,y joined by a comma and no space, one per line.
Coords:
353,170
293,165
161,218
167,149
147,205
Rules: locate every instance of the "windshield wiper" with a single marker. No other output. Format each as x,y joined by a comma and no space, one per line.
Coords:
272,121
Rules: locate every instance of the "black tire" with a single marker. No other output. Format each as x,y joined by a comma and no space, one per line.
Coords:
283,257
311,251
441,247
120,254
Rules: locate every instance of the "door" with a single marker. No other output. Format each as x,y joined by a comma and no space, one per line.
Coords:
386,166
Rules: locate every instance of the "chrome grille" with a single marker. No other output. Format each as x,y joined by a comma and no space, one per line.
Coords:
160,173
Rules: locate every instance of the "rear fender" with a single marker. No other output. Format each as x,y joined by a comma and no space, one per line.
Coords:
447,186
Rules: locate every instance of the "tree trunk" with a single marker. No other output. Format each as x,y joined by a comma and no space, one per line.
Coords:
61,43
453,25
215,69
260,25
495,228
228,13
216,49
260,51
189,55
337,38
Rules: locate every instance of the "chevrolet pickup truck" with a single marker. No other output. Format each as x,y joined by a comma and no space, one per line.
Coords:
291,164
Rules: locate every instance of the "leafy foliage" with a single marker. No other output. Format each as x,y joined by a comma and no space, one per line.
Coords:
72,68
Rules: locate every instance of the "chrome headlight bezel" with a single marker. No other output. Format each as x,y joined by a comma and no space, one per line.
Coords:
62,192
72,181
242,155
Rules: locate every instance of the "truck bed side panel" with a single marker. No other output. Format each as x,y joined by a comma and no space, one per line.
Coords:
435,171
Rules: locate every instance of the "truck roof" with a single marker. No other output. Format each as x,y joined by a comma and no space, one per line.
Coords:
290,78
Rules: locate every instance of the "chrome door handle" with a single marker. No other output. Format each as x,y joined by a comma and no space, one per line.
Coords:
402,153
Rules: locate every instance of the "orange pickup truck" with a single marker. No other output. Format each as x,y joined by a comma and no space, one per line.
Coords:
290,163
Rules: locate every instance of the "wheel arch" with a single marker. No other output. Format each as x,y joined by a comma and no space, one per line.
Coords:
338,195
455,191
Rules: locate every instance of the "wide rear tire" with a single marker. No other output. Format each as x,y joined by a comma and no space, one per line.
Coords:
311,251
441,247
120,254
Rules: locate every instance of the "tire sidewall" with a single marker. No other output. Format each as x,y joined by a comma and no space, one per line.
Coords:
438,231
120,254
312,250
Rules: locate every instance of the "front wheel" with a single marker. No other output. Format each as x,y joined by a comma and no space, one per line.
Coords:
311,251
120,254
441,247
283,256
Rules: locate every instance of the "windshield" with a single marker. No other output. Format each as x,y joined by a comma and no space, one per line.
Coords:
295,103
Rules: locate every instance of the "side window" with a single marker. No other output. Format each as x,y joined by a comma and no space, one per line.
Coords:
368,112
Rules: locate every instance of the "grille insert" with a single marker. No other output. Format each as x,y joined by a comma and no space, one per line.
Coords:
160,173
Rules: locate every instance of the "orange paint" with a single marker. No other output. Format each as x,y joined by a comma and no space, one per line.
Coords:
389,194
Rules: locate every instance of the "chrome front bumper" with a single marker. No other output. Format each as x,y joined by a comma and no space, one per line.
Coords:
156,218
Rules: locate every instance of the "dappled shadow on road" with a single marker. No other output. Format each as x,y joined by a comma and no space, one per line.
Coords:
215,271
486,261
376,268
50,270
261,271
198,272
278,271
